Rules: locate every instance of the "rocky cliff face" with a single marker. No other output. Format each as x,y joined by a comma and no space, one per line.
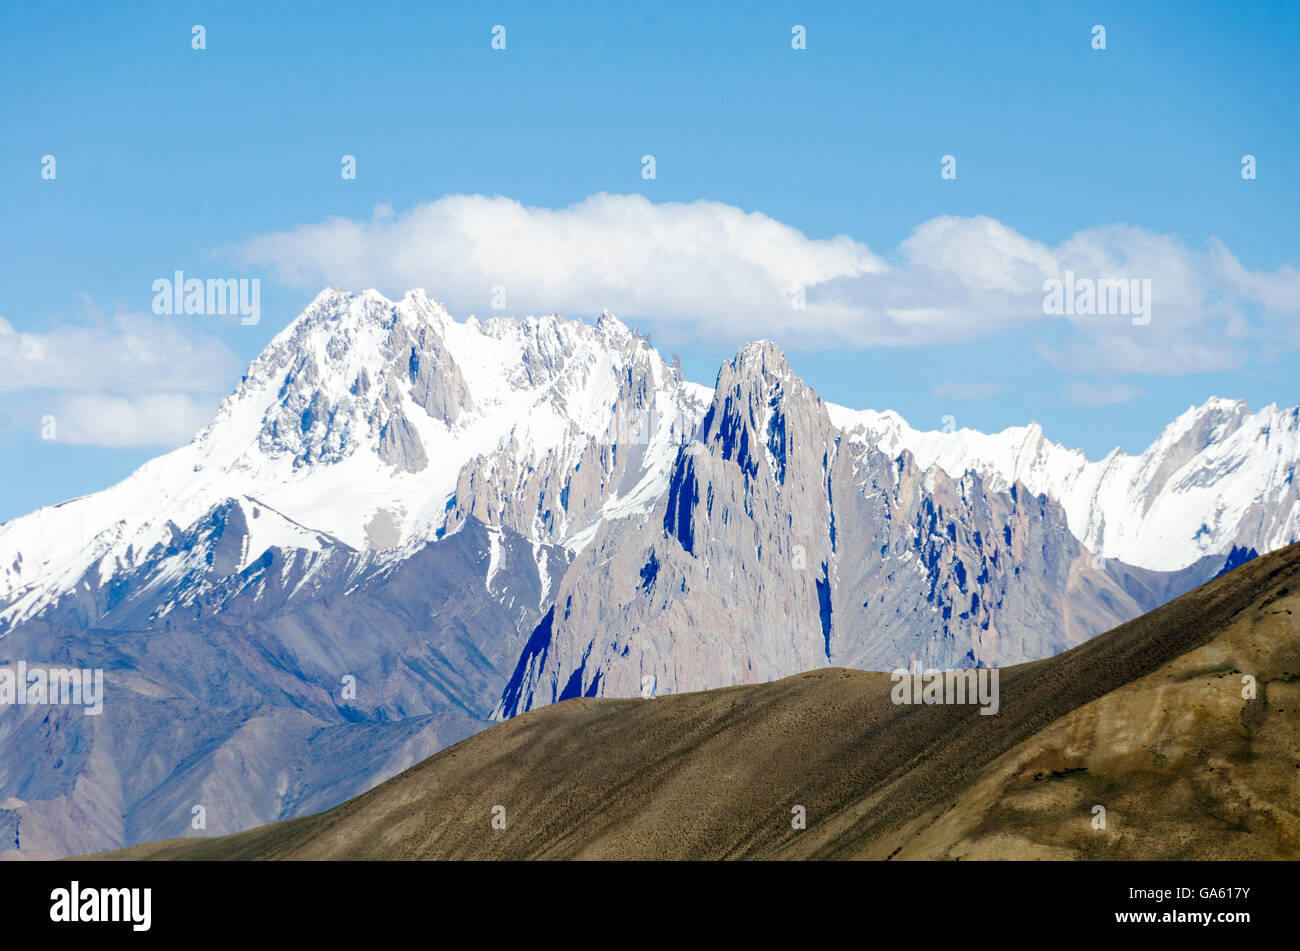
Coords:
781,546
259,693
595,466
481,517
1218,477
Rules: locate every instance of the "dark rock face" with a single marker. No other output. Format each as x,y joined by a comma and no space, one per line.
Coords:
262,694
779,547
619,528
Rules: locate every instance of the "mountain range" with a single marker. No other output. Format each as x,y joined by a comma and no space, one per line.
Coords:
400,527
1144,743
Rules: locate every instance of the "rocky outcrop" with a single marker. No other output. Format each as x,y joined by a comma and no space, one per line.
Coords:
781,546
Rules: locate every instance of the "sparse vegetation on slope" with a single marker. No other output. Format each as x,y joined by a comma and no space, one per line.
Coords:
1147,720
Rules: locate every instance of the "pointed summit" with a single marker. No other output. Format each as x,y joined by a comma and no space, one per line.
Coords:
611,326
761,408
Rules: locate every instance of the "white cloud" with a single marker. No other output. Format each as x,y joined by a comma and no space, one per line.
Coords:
981,253
166,420
704,264
131,380
1278,293
129,352
713,271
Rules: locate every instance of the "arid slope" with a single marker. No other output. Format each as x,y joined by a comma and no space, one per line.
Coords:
1147,720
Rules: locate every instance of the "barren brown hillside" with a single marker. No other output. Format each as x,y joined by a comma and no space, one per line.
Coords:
1147,720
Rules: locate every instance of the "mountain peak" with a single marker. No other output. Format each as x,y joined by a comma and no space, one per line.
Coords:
607,319
763,353
760,366
1199,426
760,408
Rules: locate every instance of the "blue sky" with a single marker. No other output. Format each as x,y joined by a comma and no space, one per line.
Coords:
225,162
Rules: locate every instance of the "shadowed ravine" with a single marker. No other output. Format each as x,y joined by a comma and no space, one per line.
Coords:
1147,719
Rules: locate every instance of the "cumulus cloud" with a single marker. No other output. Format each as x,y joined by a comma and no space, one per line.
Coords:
127,381
128,352
1277,292
704,264
128,420
713,271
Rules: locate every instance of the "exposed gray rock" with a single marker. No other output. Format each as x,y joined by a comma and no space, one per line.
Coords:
781,547
226,690
598,521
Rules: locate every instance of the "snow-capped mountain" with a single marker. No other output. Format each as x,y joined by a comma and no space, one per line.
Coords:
782,545
358,423
335,520
1217,477
361,420
474,518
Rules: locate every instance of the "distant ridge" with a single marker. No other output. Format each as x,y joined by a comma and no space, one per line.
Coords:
1147,721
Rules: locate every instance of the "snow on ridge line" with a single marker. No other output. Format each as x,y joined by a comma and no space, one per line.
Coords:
1216,476
545,383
